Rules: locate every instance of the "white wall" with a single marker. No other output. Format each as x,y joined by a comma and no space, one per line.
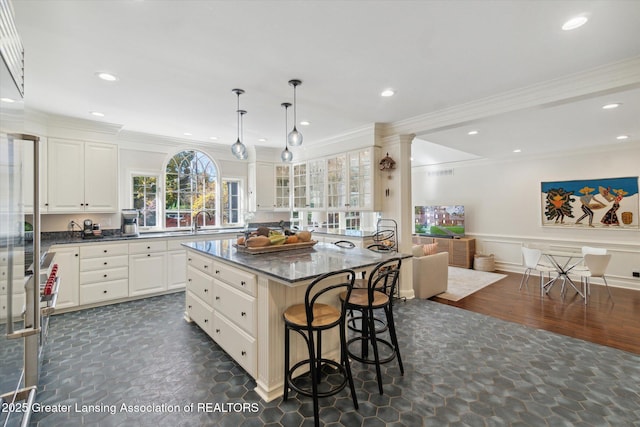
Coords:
502,204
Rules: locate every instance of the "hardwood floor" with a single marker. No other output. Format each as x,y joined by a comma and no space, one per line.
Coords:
612,323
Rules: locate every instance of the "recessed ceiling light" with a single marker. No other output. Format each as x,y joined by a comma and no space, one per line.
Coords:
97,113
517,150
622,137
387,93
187,134
213,138
611,106
7,100
262,139
305,123
574,23
472,132
107,76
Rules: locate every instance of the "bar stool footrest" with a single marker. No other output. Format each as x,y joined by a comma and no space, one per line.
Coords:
361,359
340,370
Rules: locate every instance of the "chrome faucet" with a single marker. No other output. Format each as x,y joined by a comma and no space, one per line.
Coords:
194,220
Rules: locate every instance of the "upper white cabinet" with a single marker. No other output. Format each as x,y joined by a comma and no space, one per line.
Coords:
83,176
283,187
316,174
261,188
299,185
361,177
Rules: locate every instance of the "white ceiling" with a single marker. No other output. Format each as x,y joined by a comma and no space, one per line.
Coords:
178,61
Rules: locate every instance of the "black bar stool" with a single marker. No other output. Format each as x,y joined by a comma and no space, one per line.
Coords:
378,294
315,316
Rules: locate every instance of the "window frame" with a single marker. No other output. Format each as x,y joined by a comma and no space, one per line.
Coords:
159,195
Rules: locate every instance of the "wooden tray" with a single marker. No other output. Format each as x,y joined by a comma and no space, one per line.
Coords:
275,248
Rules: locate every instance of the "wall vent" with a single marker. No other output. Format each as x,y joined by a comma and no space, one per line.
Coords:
441,172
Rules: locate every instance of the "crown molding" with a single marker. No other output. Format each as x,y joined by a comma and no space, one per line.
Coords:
608,78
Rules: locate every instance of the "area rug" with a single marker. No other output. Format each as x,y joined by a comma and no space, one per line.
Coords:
463,282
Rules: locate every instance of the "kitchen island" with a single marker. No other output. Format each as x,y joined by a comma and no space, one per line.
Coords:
238,299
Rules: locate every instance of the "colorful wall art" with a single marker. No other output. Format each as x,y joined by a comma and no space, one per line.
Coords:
591,203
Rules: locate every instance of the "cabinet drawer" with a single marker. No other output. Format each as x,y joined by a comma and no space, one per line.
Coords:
98,251
200,284
98,292
106,275
91,264
200,262
239,307
200,313
239,279
240,346
149,245
175,244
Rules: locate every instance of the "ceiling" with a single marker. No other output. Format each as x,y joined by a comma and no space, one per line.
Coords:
177,62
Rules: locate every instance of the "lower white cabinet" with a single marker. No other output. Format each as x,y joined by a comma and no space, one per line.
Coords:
227,293
103,272
68,260
17,283
147,267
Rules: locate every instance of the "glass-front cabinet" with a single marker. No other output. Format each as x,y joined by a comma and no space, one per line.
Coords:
337,182
316,182
283,187
299,185
361,179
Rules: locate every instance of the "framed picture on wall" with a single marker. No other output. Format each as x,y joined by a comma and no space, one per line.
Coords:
605,203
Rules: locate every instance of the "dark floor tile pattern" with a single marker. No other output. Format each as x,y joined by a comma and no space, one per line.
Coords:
461,369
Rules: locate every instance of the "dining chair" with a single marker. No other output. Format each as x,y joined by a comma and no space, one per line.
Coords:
596,267
532,262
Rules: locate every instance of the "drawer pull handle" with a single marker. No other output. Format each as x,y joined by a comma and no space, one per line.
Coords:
243,283
206,290
105,275
244,353
189,259
105,263
189,306
148,247
104,292
105,251
206,320
206,266
148,254
243,314
217,331
217,298
217,271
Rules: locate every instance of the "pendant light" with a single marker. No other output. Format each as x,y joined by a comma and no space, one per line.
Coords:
286,156
245,154
295,137
238,149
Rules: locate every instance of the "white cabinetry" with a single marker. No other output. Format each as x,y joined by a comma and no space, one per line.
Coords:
221,299
68,260
103,272
147,267
176,264
283,187
316,177
82,176
17,283
351,179
299,185
261,186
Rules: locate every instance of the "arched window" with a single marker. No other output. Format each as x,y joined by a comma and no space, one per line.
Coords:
191,180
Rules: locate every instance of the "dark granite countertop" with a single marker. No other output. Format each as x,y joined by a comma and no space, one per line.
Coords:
294,266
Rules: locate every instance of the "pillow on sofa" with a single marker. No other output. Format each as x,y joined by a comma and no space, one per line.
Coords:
430,249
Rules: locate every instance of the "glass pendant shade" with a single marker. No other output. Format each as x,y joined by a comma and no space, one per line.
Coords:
295,137
286,156
238,149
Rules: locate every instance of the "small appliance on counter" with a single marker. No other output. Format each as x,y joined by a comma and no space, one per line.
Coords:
91,230
130,222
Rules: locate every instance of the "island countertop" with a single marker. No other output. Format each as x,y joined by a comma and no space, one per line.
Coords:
294,266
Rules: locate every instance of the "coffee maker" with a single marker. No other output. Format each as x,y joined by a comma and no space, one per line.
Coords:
130,222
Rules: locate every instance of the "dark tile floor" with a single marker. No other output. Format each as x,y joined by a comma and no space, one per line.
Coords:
461,369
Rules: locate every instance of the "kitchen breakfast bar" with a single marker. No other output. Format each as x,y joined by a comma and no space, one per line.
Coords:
238,299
